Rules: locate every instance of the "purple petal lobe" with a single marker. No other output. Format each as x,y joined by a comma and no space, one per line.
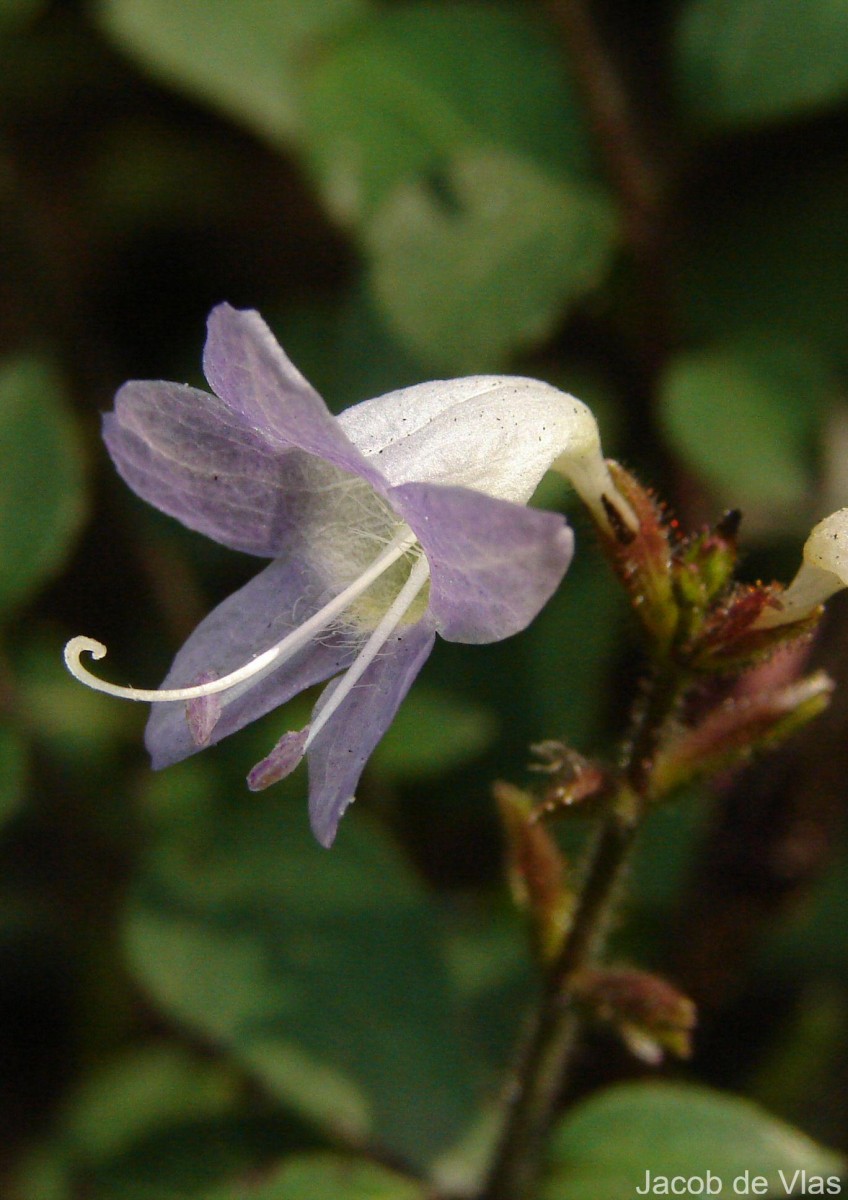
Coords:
240,466
185,453
189,455
339,752
203,713
249,370
493,564
280,762
251,620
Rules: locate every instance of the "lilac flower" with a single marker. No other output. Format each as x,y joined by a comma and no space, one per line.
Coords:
402,518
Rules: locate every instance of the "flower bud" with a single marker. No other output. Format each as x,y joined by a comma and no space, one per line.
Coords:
737,727
650,1015
536,868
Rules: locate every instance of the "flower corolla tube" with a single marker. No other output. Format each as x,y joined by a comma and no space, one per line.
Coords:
401,518
823,571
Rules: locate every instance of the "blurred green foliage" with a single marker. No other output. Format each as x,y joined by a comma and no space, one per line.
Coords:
12,772
196,1001
41,495
778,394
748,64
249,61
268,922
675,1129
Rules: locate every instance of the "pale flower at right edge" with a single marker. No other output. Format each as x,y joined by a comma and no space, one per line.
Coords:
823,571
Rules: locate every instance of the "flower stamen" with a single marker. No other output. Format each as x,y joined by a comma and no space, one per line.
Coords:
393,616
403,541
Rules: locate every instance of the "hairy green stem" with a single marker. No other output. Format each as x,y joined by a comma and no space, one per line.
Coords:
550,1045
542,1071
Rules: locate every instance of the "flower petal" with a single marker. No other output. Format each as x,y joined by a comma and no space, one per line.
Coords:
247,466
340,751
251,620
827,547
188,454
823,571
250,371
493,564
496,434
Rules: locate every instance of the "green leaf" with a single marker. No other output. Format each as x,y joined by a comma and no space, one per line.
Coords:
815,942
603,1149
418,84
329,1177
160,1122
145,1089
571,645
433,732
489,954
804,1056
745,419
182,1161
665,856
467,271
322,974
770,259
41,1173
744,62
12,772
244,59
41,482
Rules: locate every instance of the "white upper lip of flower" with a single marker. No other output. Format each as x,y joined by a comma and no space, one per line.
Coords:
492,433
